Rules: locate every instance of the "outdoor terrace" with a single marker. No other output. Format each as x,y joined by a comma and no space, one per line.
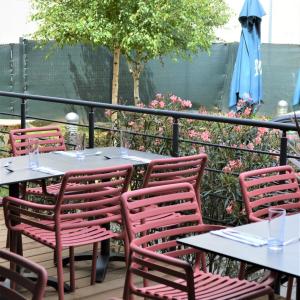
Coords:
113,285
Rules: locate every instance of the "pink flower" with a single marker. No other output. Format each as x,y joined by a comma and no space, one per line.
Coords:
173,98
160,129
250,146
186,103
205,136
192,133
131,123
247,111
235,164
257,140
153,103
226,169
237,128
262,130
161,104
230,207
231,114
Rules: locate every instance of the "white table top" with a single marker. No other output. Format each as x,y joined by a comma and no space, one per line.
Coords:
286,260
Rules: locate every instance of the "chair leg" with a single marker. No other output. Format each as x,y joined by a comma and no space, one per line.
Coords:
242,271
72,269
289,288
60,273
13,248
94,263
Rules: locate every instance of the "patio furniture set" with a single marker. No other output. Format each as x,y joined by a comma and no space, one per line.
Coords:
160,223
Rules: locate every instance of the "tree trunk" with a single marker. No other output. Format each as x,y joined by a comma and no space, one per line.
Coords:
115,80
135,69
136,86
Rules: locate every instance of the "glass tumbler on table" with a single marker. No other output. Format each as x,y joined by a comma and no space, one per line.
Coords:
33,153
276,223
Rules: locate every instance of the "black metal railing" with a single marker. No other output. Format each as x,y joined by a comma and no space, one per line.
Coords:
175,115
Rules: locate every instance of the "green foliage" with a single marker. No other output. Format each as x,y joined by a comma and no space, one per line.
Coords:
220,190
149,27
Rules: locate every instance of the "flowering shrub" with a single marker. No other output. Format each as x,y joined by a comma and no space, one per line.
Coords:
228,147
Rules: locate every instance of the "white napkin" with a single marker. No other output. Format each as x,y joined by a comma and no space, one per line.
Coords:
66,153
136,158
48,171
242,237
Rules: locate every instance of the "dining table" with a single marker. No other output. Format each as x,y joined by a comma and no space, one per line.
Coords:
286,260
16,170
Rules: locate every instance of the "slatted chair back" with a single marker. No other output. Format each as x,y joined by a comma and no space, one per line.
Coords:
158,235
86,198
176,170
35,288
49,139
274,186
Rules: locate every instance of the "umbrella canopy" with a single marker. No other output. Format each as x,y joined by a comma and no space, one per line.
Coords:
296,98
246,79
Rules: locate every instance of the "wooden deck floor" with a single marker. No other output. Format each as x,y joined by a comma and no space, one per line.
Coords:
111,287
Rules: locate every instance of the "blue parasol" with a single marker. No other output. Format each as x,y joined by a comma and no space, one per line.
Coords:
296,98
246,80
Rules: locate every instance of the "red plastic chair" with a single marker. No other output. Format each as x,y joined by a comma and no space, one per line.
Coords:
155,256
78,218
274,186
176,170
36,288
49,139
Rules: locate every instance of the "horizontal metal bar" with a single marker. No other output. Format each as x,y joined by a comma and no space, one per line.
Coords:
167,113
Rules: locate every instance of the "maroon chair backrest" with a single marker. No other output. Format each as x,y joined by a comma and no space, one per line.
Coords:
274,186
151,234
92,195
176,170
36,288
49,138
139,208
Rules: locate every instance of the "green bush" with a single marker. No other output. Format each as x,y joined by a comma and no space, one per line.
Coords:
220,189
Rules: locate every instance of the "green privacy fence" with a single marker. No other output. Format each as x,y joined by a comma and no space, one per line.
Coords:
84,72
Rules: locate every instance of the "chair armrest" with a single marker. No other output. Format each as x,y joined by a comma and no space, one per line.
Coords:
25,203
18,212
176,262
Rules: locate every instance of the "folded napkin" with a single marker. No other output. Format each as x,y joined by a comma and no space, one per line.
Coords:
48,171
136,158
242,237
65,153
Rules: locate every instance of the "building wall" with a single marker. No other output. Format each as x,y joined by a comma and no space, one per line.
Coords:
281,25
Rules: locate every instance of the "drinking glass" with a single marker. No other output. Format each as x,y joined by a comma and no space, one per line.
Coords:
33,153
80,141
124,143
276,228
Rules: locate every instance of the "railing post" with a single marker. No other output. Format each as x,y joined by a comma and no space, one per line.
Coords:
175,139
91,128
283,149
23,113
